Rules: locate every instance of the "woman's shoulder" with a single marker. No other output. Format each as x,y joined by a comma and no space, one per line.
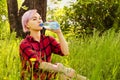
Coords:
24,42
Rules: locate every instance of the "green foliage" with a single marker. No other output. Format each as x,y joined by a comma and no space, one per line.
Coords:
83,16
96,57
3,6
4,28
9,58
24,7
99,14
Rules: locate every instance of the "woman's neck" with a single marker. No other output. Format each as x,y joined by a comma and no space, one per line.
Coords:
36,35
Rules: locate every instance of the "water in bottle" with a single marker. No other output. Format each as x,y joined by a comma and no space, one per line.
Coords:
50,25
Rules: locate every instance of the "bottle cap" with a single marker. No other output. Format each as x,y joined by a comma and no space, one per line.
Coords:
41,25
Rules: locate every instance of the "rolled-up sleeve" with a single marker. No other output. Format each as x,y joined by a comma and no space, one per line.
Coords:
27,52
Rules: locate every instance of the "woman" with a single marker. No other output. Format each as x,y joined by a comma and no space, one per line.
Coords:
41,47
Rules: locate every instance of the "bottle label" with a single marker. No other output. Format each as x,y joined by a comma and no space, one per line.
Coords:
50,25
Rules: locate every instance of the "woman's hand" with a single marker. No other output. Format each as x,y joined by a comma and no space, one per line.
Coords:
57,31
60,67
69,72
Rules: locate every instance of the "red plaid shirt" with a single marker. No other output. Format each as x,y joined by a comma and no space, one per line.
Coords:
42,51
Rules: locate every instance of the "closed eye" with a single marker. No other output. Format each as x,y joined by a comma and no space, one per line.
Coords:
34,19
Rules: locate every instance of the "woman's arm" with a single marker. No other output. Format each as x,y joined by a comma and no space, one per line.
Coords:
58,68
52,67
63,43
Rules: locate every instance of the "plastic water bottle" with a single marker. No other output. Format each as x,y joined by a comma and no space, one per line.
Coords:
50,25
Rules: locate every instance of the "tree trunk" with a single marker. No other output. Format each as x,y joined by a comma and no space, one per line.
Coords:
15,15
12,11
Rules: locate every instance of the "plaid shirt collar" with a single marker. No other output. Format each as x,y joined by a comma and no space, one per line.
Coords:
30,38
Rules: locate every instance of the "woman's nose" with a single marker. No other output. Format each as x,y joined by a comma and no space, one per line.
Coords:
40,21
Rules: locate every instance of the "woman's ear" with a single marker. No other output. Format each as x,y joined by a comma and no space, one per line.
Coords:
27,26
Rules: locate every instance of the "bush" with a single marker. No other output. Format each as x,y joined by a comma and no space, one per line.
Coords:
85,16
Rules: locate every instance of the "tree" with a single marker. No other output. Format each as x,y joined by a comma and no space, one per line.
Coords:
14,14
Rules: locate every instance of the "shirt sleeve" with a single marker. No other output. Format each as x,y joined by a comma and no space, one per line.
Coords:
27,52
55,47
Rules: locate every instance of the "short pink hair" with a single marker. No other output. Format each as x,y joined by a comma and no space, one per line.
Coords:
26,17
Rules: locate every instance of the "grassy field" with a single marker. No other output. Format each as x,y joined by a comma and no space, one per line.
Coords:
96,57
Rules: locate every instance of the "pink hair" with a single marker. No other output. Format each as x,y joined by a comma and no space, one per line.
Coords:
26,17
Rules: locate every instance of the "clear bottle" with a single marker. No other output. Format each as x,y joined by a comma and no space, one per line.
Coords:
50,25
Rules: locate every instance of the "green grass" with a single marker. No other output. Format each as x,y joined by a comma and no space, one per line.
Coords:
9,58
96,57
